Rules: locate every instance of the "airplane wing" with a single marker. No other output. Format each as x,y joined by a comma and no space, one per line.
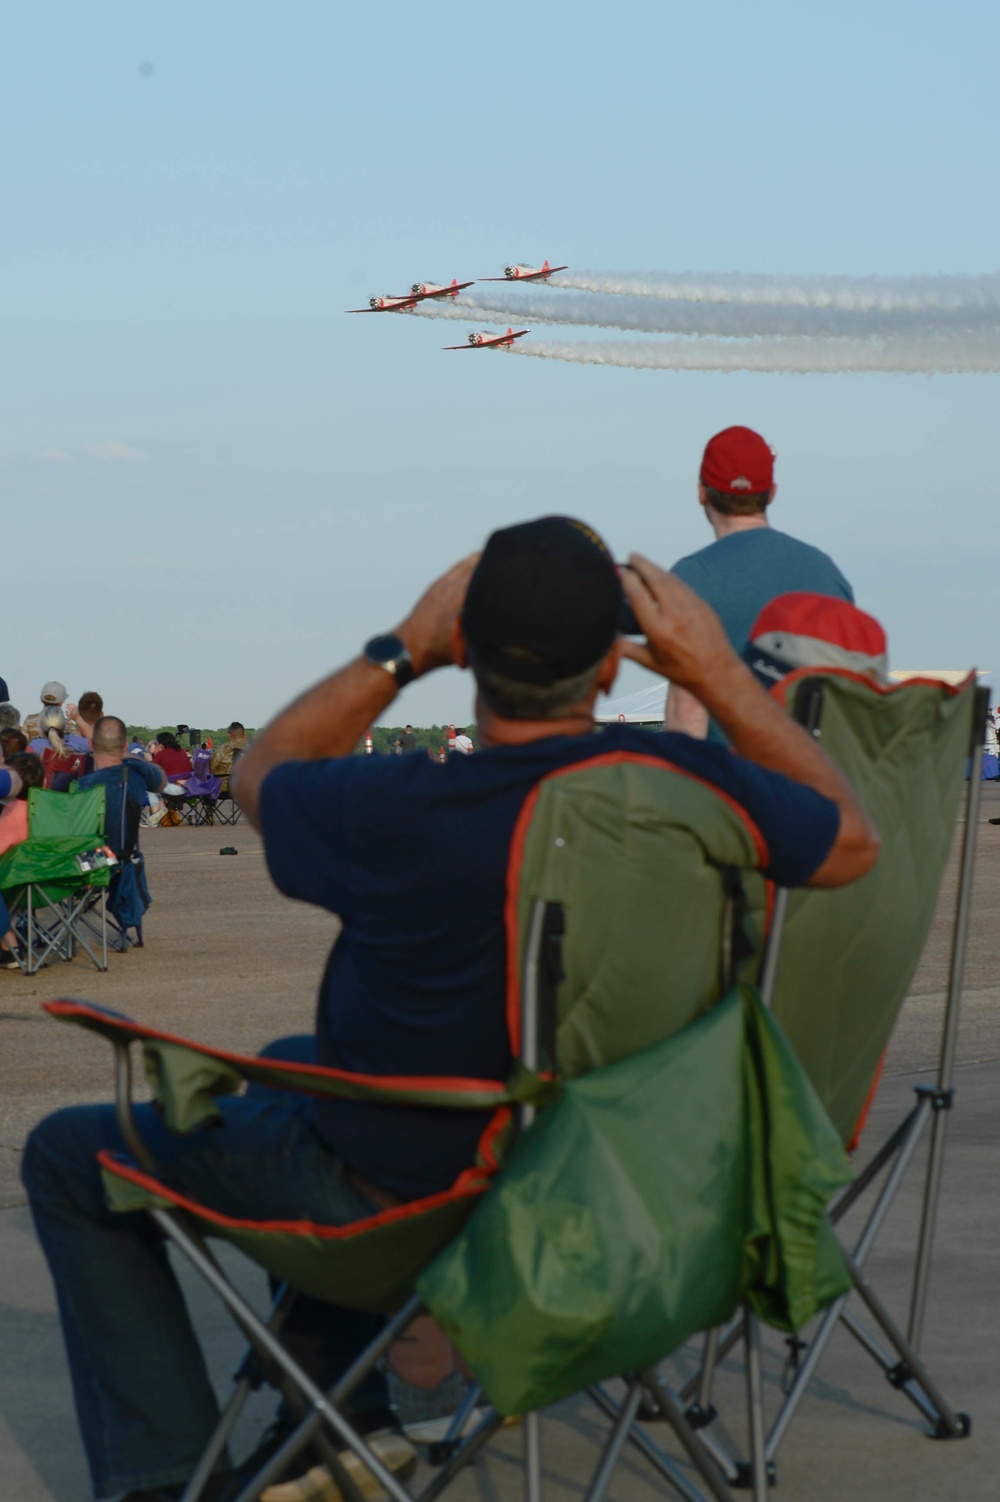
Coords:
465,346
445,291
401,305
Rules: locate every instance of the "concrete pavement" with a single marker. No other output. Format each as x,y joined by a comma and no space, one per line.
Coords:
230,961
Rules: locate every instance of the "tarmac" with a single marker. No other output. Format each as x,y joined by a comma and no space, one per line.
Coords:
229,961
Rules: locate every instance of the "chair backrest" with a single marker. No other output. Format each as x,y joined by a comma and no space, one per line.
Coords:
639,859
201,763
65,815
847,956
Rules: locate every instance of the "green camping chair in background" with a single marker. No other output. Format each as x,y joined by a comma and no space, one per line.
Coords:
584,1249
837,971
46,890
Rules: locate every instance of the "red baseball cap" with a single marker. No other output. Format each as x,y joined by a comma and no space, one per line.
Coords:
738,461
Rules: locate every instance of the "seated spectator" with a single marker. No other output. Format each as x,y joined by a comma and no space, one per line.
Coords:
226,755
10,788
10,718
62,761
86,713
169,756
367,838
120,776
53,699
12,740
14,818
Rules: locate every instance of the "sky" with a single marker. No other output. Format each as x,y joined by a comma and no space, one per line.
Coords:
216,485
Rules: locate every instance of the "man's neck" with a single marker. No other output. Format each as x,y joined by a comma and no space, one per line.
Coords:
725,526
494,730
104,759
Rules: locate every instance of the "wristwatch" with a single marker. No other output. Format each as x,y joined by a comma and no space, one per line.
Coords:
390,652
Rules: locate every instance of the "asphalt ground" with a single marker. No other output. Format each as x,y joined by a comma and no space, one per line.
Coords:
229,961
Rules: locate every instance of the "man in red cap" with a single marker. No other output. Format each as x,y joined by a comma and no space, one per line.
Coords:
749,563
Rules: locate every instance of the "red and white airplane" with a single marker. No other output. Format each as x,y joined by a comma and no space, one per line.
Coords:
486,340
526,273
419,292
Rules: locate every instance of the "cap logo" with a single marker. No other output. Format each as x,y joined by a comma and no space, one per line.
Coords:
740,483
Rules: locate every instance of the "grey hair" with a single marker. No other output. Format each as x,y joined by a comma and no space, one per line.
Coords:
10,718
531,701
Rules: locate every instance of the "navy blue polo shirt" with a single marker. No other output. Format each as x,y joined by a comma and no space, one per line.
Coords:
412,855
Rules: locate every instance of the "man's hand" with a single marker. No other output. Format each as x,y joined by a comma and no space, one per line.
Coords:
685,640
427,630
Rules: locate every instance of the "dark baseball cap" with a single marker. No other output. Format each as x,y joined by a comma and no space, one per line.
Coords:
544,602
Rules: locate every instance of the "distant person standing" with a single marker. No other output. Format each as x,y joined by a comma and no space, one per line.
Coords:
463,744
749,563
407,741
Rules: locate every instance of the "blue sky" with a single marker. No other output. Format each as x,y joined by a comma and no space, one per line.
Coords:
216,485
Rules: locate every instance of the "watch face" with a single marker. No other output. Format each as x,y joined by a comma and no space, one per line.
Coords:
385,649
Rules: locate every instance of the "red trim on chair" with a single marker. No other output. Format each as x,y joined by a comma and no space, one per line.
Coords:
444,1083
862,1120
516,858
780,689
470,1183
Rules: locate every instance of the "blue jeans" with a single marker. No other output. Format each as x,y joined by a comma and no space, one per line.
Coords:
145,1405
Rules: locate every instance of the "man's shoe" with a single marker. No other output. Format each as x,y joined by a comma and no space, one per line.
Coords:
317,1484
9,959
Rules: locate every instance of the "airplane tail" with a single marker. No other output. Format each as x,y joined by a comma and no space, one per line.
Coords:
545,265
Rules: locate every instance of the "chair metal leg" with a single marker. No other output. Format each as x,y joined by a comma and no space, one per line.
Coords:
532,1437
916,1123
665,1464
615,1443
909,1369
263,1339
758,1476
949,1038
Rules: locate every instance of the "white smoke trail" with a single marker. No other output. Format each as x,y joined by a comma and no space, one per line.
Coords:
725,320
793,356
887,294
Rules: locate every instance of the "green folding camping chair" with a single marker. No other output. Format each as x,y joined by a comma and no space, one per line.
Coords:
46,890
626,1017
838,968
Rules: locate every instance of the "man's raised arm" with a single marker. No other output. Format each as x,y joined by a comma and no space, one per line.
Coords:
330,719
686,643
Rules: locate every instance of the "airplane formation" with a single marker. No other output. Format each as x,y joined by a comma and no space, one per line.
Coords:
428,291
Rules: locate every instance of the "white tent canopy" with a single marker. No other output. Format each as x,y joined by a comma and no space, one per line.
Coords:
644,707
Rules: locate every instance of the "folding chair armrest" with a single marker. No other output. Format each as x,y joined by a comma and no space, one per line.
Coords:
186,1076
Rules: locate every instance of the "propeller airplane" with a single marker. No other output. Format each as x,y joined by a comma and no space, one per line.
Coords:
526,273
486,340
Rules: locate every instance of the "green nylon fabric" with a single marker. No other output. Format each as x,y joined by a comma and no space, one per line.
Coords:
51,864
59,815
637,855
185,1075
373,1269
848,956
60,827
641,1207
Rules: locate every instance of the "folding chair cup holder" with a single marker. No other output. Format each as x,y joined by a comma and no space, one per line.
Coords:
639,989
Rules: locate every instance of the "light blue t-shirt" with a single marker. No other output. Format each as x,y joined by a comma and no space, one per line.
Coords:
738,575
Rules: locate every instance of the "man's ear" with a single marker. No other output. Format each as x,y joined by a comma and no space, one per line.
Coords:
771,494
702,495
459,656
609,668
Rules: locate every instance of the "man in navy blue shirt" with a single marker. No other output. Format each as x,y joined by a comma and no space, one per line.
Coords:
415,982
